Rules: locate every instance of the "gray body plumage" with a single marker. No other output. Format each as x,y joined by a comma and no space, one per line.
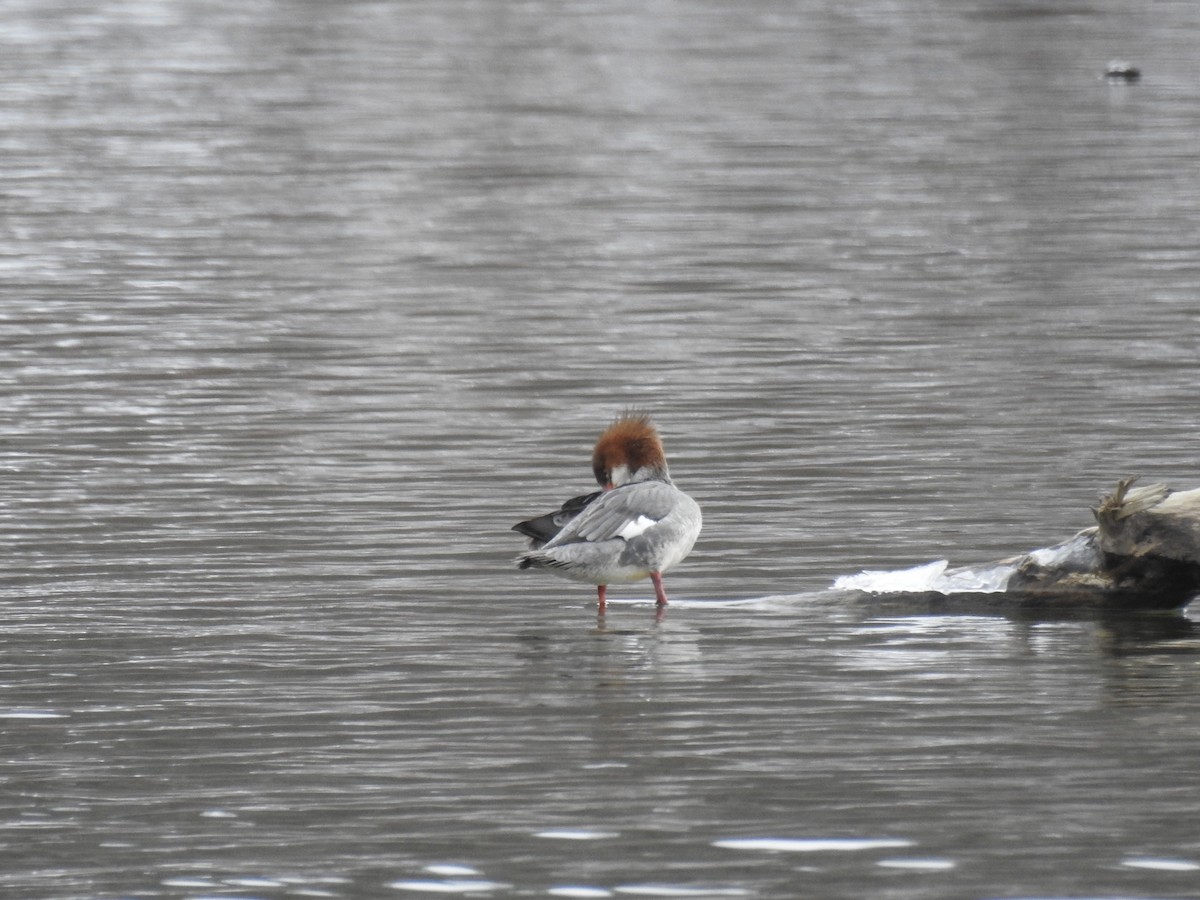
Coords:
622,536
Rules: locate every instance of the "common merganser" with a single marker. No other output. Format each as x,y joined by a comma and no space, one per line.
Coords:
639,525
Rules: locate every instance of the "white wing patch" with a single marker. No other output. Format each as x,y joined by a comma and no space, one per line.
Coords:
634,527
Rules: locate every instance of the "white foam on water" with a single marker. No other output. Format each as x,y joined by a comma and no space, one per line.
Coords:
448,886
730,603
576,834
1079,554
932,576
680,602
581,891
30,714
672,890
450,869
918,578
917,864
1160,865
1048,556
811,845
631,601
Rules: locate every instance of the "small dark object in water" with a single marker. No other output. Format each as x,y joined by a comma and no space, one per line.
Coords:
1119,70
1142,555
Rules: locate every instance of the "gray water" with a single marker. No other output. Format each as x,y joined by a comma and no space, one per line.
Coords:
304,304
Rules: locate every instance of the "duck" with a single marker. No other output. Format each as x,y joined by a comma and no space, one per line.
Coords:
637,526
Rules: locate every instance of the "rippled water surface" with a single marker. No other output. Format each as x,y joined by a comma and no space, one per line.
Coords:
305,303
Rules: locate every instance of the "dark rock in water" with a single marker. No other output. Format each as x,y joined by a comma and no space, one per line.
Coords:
1150,521
1143,555
1121,71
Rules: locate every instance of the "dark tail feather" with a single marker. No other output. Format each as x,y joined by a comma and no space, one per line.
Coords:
543,528
535,560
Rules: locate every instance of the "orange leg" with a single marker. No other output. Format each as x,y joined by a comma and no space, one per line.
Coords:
659,592
601,590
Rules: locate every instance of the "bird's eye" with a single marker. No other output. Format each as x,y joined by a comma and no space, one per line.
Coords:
601,474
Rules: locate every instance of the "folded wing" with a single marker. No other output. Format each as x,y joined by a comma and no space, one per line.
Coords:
624,512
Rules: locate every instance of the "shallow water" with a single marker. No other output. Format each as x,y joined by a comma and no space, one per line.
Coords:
305,304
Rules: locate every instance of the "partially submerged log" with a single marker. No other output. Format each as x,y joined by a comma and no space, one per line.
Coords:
1142,554
1150,522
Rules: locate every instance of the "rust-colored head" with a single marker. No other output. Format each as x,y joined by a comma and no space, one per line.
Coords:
629,450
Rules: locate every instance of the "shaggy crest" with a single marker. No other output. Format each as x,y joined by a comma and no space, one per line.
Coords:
633,442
